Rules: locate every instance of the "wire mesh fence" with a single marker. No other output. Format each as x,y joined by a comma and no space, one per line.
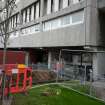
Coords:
77,77
80,78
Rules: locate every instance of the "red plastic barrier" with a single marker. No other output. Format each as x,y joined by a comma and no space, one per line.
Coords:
19,79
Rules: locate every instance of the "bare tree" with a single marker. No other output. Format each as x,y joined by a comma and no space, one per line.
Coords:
7,10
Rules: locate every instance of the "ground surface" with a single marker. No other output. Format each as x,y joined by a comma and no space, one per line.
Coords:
100,87
64,97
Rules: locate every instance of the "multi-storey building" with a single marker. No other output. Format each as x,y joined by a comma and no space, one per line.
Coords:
44,27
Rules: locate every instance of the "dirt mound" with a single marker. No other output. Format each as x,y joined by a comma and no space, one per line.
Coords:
40,76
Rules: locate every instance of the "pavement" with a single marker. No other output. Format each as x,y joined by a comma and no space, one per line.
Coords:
100,84
100,89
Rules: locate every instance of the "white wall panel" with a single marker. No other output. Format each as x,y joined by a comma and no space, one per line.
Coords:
65,3
48,6
37,10
56,5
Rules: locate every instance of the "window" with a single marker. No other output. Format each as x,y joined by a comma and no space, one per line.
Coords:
37,28
28,30
47,26
72,19
55,24
75,1
14,34
11,35
23,31
31,30
52,5
31,13
60,4
77,17
65,20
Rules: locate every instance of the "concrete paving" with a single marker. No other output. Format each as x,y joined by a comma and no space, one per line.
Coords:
100,84
100,89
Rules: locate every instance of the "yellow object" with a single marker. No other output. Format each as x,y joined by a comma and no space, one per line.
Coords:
21,66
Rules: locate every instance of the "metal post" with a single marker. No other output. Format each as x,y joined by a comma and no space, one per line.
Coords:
49,60
85,76
3,74
91,75
59,62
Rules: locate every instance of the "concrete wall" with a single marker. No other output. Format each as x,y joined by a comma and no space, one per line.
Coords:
68,36
95,22
98,65
90,32
91,23
78,35
101,65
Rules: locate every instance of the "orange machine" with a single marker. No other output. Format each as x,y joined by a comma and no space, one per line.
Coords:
18,78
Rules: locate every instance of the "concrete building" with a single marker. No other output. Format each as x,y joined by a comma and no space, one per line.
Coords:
45,27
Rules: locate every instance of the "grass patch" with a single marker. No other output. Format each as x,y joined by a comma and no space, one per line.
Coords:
84,88
81,88
65,97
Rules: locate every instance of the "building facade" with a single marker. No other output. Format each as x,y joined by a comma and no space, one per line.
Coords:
50,29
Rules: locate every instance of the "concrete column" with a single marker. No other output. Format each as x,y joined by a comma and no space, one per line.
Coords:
49,60
98,65
56,5
65,3
27,58
41,13
37,10
41,7
95,66
48,6
91,22
101,65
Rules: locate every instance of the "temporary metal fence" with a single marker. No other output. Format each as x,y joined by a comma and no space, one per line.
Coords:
39,66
